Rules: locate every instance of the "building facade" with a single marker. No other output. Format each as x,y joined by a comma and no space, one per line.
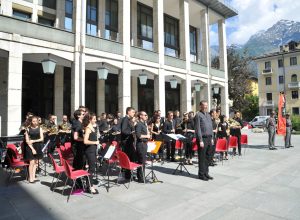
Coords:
163,40
279,72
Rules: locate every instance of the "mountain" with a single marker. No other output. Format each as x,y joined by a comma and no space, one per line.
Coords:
266,41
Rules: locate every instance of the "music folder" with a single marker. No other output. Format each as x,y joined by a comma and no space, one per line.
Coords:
109,152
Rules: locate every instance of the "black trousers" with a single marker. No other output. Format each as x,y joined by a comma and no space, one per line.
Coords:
212,151
141,153
204,156
239,144
78,152
170,146
90,154
189,149
129,150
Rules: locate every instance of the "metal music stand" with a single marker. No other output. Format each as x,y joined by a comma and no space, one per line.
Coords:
45,154
152,154
181,161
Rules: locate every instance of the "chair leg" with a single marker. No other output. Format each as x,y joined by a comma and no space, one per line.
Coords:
52,181
74,181
65,186
58,178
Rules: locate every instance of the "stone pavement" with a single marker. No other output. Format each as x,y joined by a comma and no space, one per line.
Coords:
261,184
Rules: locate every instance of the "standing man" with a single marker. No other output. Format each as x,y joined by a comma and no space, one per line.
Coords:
271,126
288,134
214,120
142,137
204,136
127,139
169,128
236,131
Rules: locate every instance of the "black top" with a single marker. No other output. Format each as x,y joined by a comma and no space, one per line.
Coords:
222,130
126,128
189,124
93,136
236,131
34,134
177,125
168,126
77,127
103,125
141,129
203,125
156,128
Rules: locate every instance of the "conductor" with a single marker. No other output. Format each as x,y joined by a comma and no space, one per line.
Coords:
204,137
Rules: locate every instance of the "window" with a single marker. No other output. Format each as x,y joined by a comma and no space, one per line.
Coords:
145,26
280,79
193,43
294,78
269,111
293,61
268,80
69,15
48,3
280,63
295,111
171,36
295,94
268,65
21,15
269,96
91,17
46,21
111,19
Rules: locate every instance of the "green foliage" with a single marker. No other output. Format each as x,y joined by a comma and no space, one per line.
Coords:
251,109
296,122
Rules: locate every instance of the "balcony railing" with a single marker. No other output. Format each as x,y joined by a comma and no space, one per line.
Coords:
217,73
269,103
198,68
267,71
175,62
294,85
143,54
104,45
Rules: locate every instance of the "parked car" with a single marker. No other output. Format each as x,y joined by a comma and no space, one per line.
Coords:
259,121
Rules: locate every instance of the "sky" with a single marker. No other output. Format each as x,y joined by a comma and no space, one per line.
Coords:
255,15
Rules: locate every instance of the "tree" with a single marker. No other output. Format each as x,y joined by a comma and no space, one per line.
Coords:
252,108
239,74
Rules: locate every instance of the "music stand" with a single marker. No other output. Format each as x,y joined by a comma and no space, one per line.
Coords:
45,154
181,161
108,155
154,152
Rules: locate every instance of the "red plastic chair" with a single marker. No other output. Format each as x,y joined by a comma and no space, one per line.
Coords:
73,175
125,163
62,155
13,165
221,146
17,157
244,141
178,145
233,142
58,170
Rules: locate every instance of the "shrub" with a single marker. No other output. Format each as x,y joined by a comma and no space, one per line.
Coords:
296,122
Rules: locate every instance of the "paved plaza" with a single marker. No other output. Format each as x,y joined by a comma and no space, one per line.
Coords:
261,184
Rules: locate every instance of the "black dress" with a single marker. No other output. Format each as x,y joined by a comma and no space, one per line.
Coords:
34,134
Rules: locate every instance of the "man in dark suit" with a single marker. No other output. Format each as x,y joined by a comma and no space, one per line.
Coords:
127,140
204,136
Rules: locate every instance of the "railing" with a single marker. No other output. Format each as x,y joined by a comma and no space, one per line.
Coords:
36,31
267,71
143,54
103,45
217,73
175,62
294,85
198,68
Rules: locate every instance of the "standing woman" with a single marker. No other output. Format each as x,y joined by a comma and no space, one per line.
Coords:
91,141
33,150
157,127
222,133
188,130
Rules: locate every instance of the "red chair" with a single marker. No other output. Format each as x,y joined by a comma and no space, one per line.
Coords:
244,141
73,175
15,165
62,155
221,147
233,142
125,163
58,170
16,156
178,145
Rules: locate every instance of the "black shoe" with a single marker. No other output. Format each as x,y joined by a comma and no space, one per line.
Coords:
209,177
287,147
240,154
211,164
140,181
291,146
204,178
173,160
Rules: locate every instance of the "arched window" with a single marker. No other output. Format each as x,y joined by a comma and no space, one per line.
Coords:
294,78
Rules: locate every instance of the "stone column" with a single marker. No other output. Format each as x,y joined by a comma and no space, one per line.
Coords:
124,27
223,64
199,48
159,92
158,29
14,89
134,92
78,66
59,91
100,96
3,94
60,14
101,18
184,27
133,22
124,88
204,29
6,8
34,16
185,90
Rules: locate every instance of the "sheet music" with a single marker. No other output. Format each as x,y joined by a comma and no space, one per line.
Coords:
150,146
176,136
109,152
